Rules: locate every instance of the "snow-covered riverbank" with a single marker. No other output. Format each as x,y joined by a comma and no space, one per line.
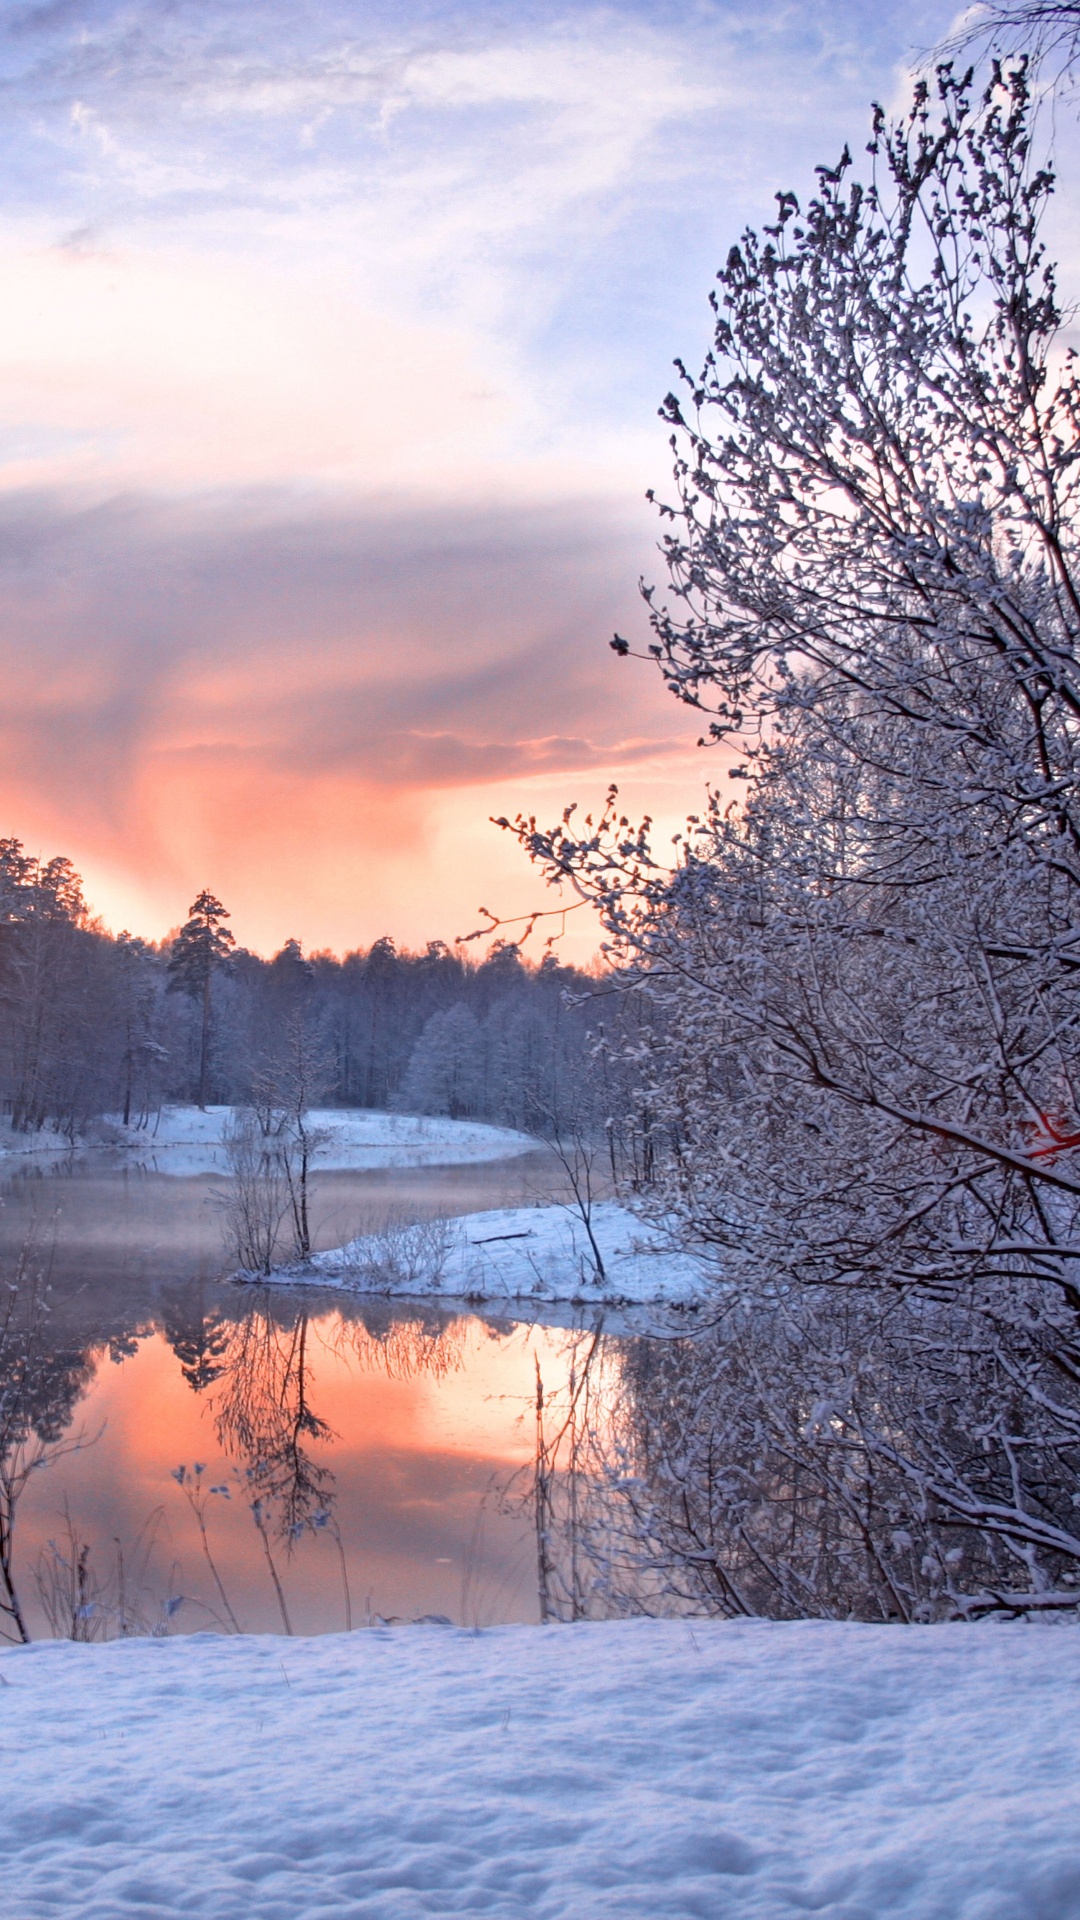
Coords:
654,1769
187,1140
530,1254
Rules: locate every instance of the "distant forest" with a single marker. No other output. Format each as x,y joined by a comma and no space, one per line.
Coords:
96,1024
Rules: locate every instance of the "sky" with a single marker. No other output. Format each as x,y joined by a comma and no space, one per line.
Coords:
332,339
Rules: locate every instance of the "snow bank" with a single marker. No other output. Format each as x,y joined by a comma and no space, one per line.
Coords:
656,1769
43,1142
515,1253
184,1140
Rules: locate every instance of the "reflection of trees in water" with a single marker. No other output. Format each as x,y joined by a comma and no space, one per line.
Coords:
429,1344
675,1476
267,1421
257,1368
47,1360
260,1365
198,1336
772,1466
563,1487
61,1375
265,1418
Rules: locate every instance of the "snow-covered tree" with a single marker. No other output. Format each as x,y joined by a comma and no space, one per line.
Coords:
446,1070
54,993
870,969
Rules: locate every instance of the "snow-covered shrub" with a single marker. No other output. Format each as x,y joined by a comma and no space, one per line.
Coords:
403,1253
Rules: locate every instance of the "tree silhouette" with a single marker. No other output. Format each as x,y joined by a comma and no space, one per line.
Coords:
200,948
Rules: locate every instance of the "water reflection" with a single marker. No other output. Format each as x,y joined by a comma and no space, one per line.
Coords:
349,1459
198,1333
351,1450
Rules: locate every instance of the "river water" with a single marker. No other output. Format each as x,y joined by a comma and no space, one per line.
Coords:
277,1460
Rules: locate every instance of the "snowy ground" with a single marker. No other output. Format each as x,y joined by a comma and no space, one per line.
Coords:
654,1769
184,1140
46,1143
517,1253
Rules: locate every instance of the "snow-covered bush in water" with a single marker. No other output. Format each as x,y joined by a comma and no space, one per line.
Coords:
869,971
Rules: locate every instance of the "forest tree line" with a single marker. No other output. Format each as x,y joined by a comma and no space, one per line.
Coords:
95,1023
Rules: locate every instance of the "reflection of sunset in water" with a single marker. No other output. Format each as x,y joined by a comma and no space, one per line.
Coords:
395,1440
392,1427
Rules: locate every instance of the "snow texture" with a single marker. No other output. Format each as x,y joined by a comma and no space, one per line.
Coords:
42,1142
657,1769
516,1253
184,1140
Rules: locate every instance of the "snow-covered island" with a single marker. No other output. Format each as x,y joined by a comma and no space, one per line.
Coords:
518,1254
647,1769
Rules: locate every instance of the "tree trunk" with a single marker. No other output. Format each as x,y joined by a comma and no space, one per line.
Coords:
204,1049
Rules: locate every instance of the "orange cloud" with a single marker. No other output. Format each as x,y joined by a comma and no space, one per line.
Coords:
315,709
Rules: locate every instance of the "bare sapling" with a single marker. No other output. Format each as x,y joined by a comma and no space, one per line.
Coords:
258,1199
284,1091
578,1156
573,1126
262,1522
82,1601
71,1594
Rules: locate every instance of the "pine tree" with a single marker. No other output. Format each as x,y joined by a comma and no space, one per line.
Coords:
200,948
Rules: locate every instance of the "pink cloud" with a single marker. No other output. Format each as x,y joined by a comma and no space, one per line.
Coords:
291,703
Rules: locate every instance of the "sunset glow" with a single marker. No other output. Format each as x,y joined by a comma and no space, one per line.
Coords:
413,1448
330,353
